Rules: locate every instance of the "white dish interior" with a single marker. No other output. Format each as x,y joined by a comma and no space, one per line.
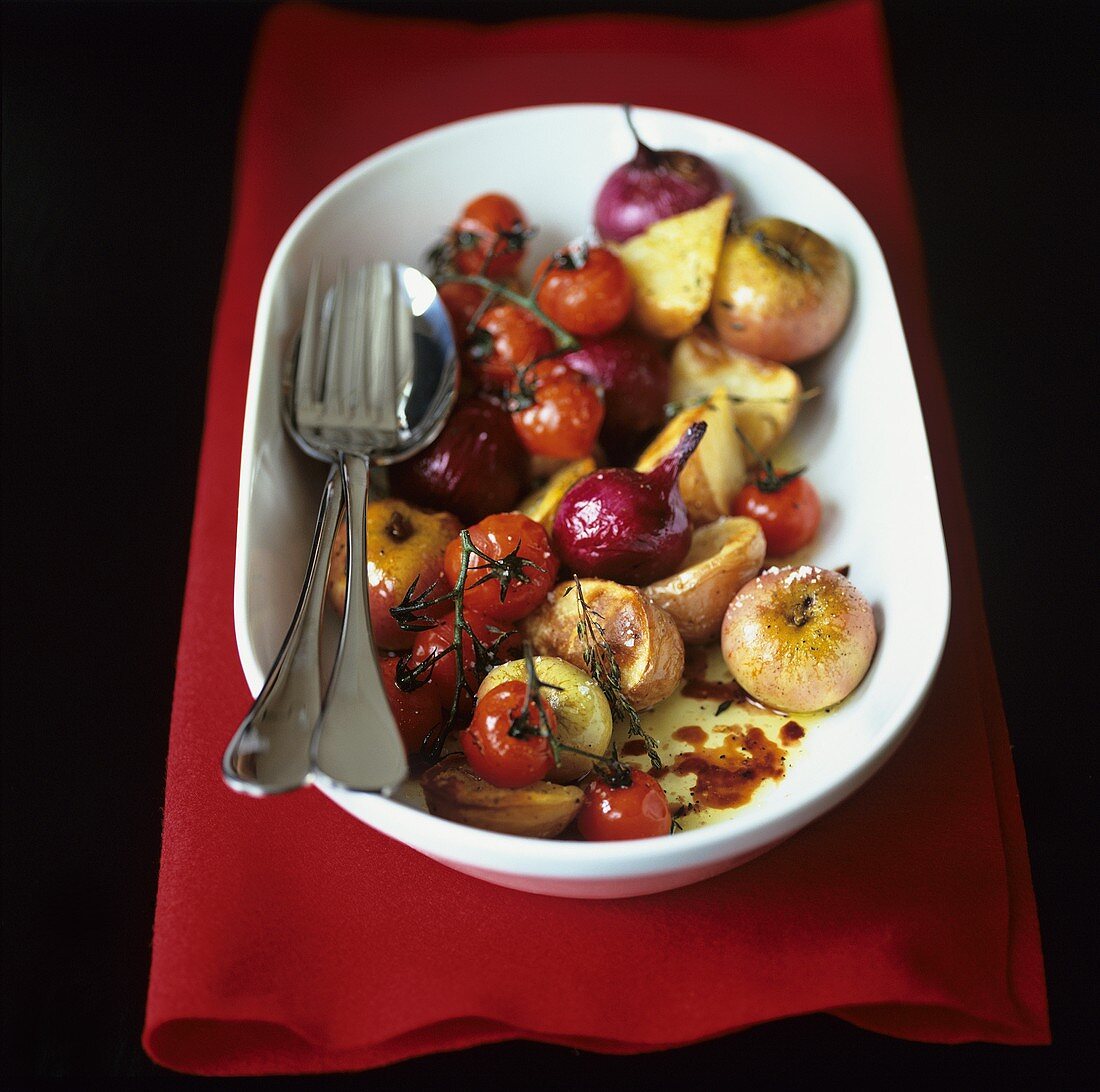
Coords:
863,437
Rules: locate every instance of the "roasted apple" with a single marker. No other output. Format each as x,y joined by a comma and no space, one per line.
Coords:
799,640
781,291
403,544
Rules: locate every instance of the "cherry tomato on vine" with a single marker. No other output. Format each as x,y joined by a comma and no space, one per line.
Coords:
505,339
494,753
786,506
558,413
442,675
530,573
639,810
461,301
586,290
482,222
417,712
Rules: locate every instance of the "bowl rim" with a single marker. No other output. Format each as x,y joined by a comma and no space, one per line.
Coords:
553,858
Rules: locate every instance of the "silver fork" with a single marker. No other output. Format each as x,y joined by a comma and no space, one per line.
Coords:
269,752
394,378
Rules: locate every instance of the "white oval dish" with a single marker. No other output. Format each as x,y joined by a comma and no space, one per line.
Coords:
864,438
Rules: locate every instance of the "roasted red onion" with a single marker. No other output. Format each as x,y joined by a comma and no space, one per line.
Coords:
477,466
654,185
633,371
623,525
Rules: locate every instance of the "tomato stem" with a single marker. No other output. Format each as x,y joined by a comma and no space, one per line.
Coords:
566,342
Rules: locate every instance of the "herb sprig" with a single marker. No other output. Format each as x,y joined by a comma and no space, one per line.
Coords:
599,659
414,615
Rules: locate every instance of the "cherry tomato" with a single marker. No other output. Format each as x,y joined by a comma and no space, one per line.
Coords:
589,293
417,711
640,810
443,673
534,568
564,413
461,301
494,753
788,509
478,228
505,339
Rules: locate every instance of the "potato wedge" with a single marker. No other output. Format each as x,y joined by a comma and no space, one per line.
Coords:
724,556
453,791
672,265
702,363
713,476
582,712
643,638
542,505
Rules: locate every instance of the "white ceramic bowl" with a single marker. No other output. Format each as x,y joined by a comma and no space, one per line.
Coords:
864,438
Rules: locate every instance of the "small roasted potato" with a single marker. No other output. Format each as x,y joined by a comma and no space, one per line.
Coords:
542,505
542,810
702,363
713,476
643,638
724,556
582,712
672,265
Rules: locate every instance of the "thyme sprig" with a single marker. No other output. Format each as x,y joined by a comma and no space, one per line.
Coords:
778,251
767,480
615,772
414,614
673,408
600,661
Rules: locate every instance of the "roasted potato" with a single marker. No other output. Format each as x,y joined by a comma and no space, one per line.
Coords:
644,640
713,476
542,505
672,266
542,810
702,364
582,712
724,556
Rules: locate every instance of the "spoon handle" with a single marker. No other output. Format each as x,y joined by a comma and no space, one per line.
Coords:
356,744
269,752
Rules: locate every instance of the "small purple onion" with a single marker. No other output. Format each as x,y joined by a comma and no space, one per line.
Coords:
652,186
623,525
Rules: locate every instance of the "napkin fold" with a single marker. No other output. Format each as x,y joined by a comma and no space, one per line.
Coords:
290,938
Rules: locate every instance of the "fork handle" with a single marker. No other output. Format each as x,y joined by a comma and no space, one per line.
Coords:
356,744
269,753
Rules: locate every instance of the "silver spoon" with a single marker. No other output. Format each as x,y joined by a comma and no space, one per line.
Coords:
396,378
270,752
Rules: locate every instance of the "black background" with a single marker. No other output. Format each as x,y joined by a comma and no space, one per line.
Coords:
119,128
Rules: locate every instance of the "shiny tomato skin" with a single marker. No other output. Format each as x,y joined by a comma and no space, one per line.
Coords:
497,536
789,517
417,711
564,420
638,811
461,301
485,217
591,300
504,760
518,338
443,675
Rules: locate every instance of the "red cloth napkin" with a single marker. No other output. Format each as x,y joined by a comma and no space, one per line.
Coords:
290,938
